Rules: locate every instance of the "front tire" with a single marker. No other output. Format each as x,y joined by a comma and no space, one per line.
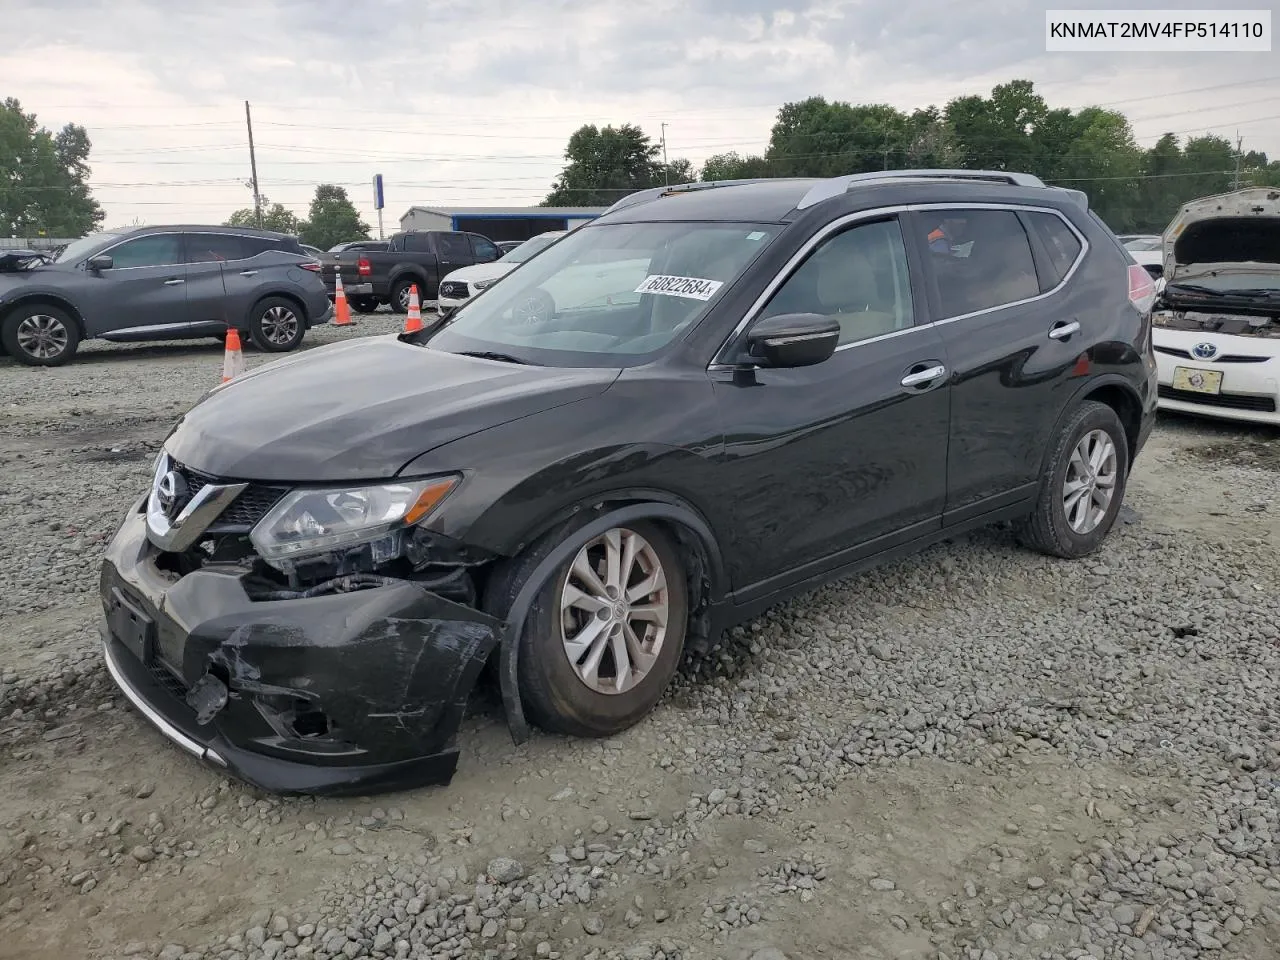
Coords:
276,325
604,637
40,336
1081,494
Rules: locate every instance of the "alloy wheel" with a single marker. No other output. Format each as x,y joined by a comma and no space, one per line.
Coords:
279,325
614,607
405,296
42,336
1090,483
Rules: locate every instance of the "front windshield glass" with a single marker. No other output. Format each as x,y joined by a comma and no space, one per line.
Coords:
77,250
607,293
527,249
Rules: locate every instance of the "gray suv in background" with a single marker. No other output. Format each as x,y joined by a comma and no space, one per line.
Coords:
161,283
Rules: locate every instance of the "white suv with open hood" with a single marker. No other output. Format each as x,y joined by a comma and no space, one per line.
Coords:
1216,325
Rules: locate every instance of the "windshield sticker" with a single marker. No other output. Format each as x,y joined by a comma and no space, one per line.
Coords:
692,288
756,235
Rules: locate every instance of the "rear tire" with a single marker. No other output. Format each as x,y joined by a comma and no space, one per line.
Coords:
400,294
40,335
1083,489
575,634
276,325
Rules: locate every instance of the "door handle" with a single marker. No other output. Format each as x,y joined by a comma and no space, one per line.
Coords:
1061,330
921,377
170,283
248,273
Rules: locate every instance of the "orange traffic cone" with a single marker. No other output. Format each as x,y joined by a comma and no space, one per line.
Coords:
342,311
233,359
413,323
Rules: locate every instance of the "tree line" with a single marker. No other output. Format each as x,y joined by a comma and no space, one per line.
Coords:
1133,188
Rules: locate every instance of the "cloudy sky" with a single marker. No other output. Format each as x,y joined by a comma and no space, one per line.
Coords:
471,101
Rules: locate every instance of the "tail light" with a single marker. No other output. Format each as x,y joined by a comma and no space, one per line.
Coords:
312,265
1142,289
363,267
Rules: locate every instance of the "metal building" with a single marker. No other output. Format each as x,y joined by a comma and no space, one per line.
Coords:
499,223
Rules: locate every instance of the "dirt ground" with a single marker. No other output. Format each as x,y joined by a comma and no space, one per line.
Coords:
115,843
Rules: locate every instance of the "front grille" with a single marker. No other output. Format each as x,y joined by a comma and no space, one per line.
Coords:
245,510
1225,358
1232,401
453,289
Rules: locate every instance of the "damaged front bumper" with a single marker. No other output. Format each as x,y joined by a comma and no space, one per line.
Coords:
338,693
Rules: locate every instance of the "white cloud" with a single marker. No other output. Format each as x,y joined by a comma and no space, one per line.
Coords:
471,101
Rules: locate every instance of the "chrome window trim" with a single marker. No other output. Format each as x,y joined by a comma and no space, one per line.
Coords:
752,314
181,248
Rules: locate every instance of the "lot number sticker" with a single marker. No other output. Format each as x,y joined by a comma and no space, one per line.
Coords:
692,288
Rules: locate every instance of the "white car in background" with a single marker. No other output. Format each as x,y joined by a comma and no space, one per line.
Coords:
1147,250
1216,324
458,287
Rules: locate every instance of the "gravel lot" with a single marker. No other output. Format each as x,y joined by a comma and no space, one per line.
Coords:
975,754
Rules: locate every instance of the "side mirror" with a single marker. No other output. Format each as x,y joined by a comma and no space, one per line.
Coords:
100,262
793,340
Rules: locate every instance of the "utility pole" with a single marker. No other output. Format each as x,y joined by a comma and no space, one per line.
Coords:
666,167
1239,144
253,167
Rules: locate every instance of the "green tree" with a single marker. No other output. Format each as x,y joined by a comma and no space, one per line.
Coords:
276,217
734,166
815,138
44,178
333,219
605,164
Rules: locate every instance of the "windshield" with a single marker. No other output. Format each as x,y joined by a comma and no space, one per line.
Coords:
531,246
77,250
607,294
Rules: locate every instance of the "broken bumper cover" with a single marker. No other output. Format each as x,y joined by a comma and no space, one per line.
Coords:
338,693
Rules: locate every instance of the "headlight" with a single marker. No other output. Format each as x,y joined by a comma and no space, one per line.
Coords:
317,521
483,284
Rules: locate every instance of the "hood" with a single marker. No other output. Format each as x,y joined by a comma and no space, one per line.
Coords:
1232,233
361,410
480,271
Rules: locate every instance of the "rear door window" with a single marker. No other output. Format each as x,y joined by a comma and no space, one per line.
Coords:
454,246
214,247
417,243
1060,243
980,259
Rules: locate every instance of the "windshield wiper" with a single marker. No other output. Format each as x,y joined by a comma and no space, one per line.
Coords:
491,355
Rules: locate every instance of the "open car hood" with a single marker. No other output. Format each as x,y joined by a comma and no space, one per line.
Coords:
1230,233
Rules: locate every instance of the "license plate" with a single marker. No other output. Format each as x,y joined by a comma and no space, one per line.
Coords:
131,626
1196,380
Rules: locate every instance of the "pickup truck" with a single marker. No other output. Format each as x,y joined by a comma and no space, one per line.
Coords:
372,277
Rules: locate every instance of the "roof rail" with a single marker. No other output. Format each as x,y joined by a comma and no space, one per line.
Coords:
838,185
653,193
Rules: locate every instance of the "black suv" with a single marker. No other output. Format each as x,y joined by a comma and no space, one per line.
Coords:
727,393
161,283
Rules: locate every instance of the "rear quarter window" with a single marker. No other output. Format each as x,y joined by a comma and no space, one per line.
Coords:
1060,243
